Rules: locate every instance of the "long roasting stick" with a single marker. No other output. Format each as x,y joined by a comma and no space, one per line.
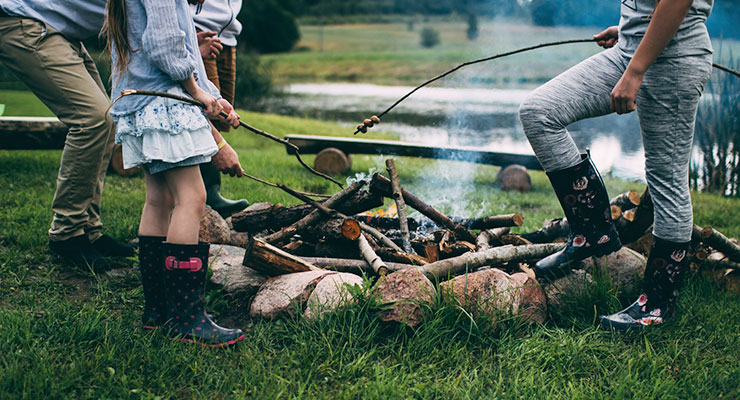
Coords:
376,119
243,124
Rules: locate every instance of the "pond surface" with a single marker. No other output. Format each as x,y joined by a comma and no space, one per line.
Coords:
483,118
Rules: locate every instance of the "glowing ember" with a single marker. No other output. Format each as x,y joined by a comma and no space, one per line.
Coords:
391,212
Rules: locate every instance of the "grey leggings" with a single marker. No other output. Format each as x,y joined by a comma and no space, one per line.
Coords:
666,107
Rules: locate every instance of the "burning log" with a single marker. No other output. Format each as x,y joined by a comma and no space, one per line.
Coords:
386,222
315,215
371,257
720,242
495,256
626,201
496,221
352,266
390,166
262,216
270,260
382,185
337,230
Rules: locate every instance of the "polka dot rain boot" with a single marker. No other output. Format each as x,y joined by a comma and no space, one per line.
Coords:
663,277
585,202
185,270
152,281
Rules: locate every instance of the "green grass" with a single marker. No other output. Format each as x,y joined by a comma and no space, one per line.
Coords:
67,334
391,54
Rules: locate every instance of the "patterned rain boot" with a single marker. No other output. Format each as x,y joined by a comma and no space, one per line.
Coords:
586,205
663,278
212,182
152,280
185,270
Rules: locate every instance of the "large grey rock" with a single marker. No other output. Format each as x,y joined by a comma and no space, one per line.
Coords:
407,290
495,292
229,273
625,268
286,294
213,228
331,293
561,289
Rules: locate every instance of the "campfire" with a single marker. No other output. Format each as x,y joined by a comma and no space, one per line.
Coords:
351,232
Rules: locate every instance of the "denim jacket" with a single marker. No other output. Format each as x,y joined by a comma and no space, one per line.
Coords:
165,52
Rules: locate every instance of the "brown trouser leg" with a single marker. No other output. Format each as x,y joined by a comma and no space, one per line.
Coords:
222,72
62,74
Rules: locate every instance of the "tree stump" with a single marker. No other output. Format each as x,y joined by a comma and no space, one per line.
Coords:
332,161
514,177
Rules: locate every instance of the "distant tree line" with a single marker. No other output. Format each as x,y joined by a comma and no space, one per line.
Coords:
270,25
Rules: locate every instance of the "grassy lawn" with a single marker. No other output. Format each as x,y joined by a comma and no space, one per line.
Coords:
391,54
67,334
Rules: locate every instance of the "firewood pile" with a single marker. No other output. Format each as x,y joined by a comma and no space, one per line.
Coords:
475,259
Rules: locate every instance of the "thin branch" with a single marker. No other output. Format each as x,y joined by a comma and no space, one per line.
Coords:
501,55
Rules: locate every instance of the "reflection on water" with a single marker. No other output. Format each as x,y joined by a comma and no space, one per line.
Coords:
483,118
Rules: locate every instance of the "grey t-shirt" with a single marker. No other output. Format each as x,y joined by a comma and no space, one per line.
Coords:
692,37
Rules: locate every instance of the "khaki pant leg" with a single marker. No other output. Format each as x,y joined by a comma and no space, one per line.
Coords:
62,75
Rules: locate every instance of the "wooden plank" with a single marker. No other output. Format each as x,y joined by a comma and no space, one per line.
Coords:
32,133
313,144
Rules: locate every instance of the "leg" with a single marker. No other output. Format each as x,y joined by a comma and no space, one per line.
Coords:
226,64
186,264
666,104
581,92
189,196
61,74
57,71
578,93
222,72
159,203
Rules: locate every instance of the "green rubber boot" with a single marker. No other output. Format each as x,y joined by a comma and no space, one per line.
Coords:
212,181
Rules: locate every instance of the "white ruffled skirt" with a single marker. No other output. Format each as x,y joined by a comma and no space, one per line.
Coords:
165,134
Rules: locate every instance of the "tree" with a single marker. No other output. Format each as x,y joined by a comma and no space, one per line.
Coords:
267,26
472,26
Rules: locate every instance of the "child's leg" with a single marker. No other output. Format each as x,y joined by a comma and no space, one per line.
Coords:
189,197
581,92
155,217
666,105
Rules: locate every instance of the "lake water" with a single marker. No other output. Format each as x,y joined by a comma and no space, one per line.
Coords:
483,118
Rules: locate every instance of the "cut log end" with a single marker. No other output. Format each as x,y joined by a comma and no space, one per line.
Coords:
351,229
332,161
518,219
616,212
